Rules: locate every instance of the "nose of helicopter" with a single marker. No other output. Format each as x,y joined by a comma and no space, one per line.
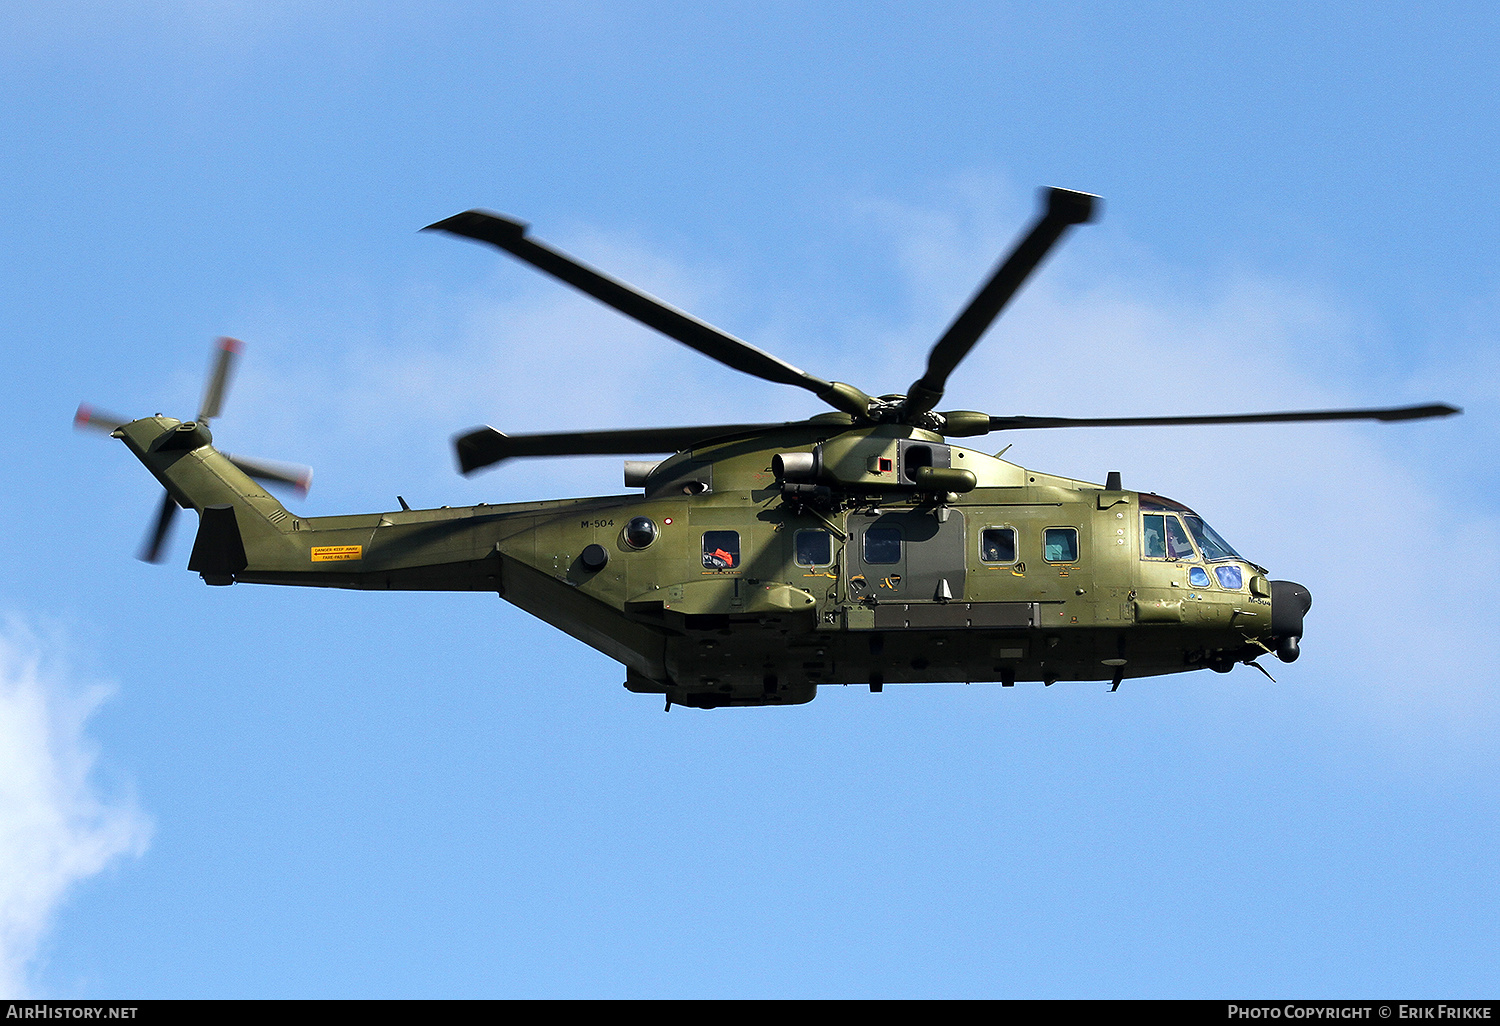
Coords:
1289,604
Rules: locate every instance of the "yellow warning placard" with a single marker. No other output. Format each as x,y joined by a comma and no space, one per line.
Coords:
337,553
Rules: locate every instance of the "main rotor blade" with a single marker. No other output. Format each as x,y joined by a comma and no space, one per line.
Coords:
1064,208
151,551
510,236
1385,413
294,475
485,446
218,378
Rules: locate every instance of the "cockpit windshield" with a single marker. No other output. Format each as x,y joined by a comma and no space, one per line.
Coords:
1209,543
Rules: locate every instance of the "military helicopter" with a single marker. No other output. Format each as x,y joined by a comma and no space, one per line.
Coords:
758,561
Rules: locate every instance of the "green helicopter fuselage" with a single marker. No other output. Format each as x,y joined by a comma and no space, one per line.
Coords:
749,570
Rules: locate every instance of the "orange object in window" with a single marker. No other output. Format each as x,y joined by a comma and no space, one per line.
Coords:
726,557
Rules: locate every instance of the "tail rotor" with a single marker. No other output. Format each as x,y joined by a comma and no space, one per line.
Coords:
272,472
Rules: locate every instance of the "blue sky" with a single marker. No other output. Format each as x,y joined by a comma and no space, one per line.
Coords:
261,792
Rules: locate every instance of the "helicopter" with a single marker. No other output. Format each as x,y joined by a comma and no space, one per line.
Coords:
757,561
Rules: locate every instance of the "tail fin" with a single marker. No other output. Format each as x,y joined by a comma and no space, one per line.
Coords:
240,521
198,476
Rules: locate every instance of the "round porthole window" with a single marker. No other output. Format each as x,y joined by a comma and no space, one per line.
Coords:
640,532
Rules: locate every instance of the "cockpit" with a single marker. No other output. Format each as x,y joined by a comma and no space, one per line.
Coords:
1171,531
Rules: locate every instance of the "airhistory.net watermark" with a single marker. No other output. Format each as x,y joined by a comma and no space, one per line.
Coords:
48,1010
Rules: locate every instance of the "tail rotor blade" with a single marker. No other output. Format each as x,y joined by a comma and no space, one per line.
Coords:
271,471
97,420
218,378
293,475
151,551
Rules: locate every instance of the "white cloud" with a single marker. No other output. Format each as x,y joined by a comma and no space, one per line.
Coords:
57,825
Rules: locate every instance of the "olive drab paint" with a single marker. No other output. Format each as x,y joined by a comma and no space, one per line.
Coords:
759,561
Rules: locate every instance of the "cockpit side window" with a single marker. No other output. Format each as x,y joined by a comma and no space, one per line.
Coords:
1163,537
1178,546
1153,537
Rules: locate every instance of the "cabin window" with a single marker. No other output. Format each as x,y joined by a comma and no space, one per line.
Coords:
1198,577
1163,537
997,545
721,550
1230,577
883,545
1060,544
814,548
